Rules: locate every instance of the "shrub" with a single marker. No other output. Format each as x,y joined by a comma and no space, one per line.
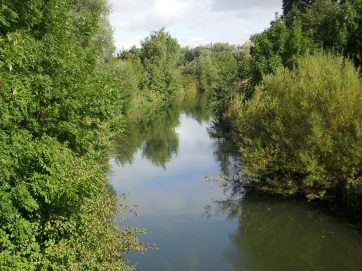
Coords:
302,129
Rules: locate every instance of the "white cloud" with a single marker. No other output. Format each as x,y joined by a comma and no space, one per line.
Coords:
164,13
244,4
191,22
171,9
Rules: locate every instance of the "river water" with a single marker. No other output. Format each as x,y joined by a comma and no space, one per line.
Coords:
198,225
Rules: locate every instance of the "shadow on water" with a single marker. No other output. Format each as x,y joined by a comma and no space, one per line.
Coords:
283,234
276,233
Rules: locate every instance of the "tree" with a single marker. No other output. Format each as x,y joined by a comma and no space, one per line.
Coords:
219,47
203,69
331,24
299,5
227,78
353,10
160,56
325,22
276,47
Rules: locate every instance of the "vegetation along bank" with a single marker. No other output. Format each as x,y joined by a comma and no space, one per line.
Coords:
290,98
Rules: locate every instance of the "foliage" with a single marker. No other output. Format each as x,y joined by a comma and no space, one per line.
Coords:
227,77
305,27
62,98
186,56
300,5
57,216
155,65
205,64
215,68
204,71
301,132
354,31
332,24
276,47
324,21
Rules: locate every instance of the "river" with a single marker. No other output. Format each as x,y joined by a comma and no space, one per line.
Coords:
198,225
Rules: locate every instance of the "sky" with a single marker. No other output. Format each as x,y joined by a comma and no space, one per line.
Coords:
191,22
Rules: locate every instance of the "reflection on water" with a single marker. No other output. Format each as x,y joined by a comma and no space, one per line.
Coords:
199,226
279,234
155,134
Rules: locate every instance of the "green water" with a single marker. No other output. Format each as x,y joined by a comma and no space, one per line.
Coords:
198,225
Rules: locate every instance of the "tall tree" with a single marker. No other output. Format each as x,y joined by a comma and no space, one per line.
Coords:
325,22
276,47
160,56
203,69
227,77
332,24
353,11
300,5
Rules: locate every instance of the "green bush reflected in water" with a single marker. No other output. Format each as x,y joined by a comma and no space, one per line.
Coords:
279,234
155,133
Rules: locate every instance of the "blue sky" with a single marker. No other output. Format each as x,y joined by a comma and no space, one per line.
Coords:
191,22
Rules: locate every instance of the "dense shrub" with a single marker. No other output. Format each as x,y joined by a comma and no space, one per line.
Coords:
55,211
302,130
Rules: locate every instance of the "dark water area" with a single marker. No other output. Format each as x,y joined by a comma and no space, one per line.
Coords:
199,225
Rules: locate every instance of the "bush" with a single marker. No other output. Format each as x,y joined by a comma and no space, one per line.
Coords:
56,212
302,130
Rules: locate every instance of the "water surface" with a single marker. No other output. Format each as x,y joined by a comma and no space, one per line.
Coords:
199,226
